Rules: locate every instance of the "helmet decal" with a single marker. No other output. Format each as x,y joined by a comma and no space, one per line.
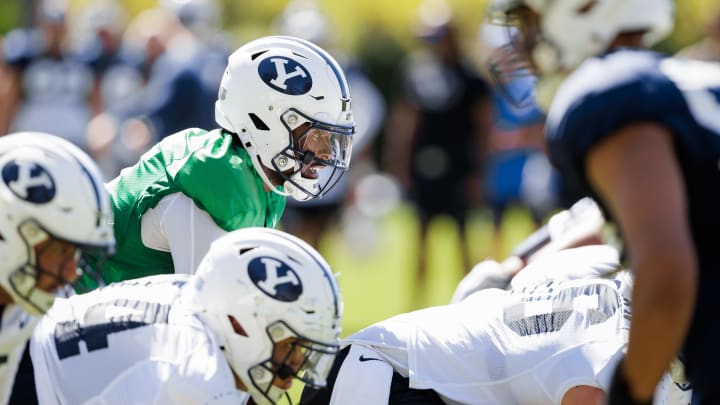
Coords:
285,75
29,181
339,75
287,79
275,278
300,306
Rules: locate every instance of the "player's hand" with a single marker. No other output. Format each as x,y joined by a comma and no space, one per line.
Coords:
486,274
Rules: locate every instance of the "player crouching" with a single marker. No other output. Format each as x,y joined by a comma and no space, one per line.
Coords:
262,309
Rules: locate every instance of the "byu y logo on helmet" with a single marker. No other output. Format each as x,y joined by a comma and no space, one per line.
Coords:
285,75
275,278
29,181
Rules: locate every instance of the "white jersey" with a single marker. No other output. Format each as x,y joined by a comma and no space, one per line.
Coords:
504,347
165,228
129,343
16,325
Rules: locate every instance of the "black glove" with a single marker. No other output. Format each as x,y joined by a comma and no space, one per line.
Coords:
620,390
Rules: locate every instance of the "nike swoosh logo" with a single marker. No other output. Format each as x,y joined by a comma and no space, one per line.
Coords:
363,358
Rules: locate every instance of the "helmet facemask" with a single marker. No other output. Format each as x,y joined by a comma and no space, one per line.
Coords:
511,66
293,357
316,156
31,285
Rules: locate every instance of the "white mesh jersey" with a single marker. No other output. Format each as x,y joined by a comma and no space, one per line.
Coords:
129,343
510,347
16,325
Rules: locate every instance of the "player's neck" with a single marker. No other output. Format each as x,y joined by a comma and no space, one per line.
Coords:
238,382
5,298
275,178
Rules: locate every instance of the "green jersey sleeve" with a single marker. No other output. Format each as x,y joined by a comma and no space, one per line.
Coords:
222,181
212,168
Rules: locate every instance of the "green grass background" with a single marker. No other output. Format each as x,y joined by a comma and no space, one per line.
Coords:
377,279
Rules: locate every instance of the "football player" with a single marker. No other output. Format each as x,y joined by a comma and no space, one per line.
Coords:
262,309
283,108
640,131
553,338
53,206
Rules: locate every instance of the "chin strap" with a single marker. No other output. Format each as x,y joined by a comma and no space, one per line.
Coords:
296,185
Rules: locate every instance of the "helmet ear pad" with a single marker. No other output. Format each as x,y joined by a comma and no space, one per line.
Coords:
292,82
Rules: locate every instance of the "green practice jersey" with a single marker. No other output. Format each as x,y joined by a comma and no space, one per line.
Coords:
212,169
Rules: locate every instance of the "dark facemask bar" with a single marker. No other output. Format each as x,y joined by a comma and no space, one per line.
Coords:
306,158
282,370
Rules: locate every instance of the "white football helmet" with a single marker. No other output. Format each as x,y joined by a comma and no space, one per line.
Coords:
276,86
572,30
50,189
258,286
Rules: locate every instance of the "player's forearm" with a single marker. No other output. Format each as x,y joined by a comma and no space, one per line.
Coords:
663,300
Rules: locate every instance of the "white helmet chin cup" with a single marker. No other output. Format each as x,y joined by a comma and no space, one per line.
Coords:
296,186
49,189
275,85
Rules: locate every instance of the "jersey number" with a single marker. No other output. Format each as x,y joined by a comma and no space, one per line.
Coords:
94,333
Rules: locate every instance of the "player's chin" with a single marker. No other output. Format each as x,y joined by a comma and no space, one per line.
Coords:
49,286
310,173
283,384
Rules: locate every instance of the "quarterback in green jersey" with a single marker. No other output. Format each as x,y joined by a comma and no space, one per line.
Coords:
284,113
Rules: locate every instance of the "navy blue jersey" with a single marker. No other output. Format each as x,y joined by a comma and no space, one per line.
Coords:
630,86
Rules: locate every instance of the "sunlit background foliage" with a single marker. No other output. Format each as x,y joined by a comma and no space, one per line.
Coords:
355,20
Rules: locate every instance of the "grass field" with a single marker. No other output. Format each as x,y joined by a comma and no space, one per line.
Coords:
377,269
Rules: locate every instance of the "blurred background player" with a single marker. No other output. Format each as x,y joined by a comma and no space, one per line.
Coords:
438,129
183,65
53,206
517,170
208,47
167,81
49,88
639,131
99,37
284,114
263,309
311,219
